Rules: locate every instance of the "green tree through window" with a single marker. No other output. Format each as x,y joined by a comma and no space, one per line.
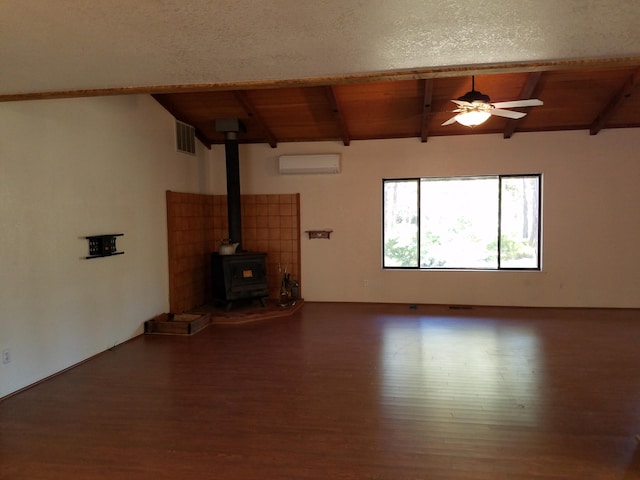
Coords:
488,222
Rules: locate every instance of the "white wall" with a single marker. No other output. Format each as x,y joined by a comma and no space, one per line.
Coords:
71,168
590,221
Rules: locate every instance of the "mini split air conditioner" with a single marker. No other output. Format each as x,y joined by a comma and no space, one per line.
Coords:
309,164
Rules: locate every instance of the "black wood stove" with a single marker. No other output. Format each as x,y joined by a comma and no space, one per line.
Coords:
241,275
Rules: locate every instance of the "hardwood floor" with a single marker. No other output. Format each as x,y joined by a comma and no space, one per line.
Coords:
346,391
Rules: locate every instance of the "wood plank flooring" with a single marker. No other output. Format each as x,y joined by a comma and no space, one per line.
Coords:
346,391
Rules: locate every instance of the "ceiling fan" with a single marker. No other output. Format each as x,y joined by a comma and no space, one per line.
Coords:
475,108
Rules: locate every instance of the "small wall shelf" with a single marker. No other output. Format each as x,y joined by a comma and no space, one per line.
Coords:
103,245
319,234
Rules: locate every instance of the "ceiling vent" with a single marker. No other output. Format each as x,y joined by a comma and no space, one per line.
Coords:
309,164
185,138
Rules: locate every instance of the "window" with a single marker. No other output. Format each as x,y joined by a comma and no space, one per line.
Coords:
488,223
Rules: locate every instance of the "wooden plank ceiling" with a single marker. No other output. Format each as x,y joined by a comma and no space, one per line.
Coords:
575,98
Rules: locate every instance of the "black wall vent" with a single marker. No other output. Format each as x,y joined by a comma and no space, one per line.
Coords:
185,138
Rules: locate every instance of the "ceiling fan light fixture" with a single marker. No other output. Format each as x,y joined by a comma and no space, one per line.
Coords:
471,118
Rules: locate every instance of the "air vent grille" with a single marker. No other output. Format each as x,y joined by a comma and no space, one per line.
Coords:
185,138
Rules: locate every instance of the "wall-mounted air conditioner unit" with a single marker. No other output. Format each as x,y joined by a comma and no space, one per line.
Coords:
309,164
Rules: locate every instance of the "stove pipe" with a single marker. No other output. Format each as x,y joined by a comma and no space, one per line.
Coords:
230,127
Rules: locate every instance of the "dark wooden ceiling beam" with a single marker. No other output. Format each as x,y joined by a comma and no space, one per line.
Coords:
337,114
525,94
407,74
242,98
426,108
169,107
615,103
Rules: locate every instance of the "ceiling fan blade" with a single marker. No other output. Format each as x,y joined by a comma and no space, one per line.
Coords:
506,113
462,103
532,102
449,122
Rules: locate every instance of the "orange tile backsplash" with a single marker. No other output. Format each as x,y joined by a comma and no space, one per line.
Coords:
196,224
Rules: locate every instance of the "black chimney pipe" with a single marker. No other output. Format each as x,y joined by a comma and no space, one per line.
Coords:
231,127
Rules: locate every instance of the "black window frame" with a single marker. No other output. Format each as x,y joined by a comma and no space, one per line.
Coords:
500,178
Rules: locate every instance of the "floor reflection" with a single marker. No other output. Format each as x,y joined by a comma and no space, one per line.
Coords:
465,370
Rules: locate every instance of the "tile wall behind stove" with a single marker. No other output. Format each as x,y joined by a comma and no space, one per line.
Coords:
197,224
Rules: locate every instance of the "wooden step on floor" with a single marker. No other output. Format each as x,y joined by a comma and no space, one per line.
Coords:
252,312
179,324
192,322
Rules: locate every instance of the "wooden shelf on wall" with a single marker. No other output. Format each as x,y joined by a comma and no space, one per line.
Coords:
319,234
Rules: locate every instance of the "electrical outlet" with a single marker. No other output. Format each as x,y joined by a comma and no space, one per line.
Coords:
365,282
6,356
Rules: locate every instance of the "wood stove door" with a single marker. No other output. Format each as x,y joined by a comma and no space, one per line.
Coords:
239,276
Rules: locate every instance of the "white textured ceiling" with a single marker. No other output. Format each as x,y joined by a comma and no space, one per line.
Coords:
60,45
